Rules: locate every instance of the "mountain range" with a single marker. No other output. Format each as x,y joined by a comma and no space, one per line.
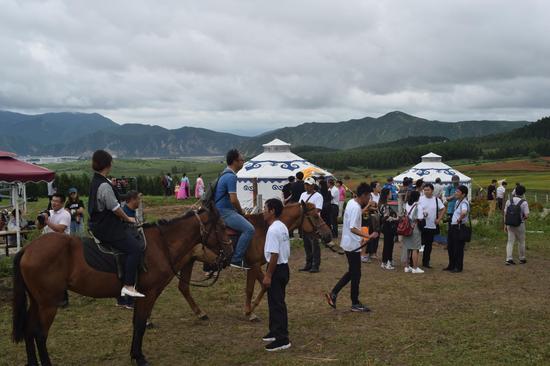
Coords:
79,134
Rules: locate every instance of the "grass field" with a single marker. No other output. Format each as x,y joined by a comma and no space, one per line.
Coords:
150,167
491,314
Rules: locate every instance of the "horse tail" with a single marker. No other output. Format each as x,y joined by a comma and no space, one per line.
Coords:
19,301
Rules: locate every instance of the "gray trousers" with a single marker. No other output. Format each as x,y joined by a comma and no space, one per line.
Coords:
516,233
313,251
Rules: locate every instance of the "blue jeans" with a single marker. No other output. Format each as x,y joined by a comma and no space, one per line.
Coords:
76,228
237,222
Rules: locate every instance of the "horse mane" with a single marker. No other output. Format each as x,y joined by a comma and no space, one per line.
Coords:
163,222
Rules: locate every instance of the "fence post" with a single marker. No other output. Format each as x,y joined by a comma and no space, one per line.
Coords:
536,197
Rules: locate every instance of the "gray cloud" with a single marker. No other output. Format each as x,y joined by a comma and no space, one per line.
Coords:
232,64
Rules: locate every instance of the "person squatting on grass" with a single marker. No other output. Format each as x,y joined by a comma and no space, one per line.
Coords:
276,252
516,233
351,243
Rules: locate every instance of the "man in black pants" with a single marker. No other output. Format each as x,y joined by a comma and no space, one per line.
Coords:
433,211
335,199
351,243
311,243
456,244
276,251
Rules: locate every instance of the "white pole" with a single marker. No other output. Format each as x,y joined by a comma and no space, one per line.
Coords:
15,193
24,198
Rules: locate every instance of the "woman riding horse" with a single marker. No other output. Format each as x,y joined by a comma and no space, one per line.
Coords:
107,220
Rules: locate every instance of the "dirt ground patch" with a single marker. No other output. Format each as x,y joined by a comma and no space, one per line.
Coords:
491,314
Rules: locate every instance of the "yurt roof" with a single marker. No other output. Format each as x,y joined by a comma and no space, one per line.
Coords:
429,169
276,162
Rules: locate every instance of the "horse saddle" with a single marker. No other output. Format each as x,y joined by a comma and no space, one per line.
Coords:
104,258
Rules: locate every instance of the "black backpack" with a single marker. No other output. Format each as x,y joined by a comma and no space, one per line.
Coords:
513,215
209,197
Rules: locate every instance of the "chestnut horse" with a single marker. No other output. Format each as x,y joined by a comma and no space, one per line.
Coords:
55,262
294,216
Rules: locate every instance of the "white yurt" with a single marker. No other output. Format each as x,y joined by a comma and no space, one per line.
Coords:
270,171
430,168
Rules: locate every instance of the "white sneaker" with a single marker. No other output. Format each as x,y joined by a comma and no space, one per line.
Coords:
421,249
365,259
408,269
417,270
389,266
131,292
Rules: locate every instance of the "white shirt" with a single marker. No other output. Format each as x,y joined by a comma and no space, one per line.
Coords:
415,213
62,217
352,219
277,241
438,190
316,199
500,191
335,193
524,207
430,210
460,207
375,197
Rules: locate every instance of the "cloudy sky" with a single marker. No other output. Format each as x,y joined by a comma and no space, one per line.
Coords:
256,65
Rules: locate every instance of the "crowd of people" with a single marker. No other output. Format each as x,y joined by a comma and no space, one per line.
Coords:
412,213
182,190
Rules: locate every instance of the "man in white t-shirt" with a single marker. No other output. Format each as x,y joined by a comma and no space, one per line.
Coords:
334,202
433,211
59,219
311,244
516,233
352,236
501,191
276,252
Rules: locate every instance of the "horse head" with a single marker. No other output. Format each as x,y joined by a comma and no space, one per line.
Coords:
311,222
214,236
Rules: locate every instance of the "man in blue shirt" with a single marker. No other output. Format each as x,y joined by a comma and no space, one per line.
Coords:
230,209
393,189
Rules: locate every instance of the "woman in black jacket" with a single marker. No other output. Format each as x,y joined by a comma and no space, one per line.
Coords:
107,220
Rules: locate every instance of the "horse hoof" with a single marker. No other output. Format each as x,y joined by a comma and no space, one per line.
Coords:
203,317
253,318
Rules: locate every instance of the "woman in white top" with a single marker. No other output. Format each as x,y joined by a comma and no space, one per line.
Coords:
413,242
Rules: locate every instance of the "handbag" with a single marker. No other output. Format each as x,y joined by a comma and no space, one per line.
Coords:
465,231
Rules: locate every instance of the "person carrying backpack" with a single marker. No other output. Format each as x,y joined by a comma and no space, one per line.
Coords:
516,211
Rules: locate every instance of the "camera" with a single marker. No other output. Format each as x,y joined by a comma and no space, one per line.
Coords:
41,218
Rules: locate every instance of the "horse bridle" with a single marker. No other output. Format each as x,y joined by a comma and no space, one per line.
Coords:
316,228
205,235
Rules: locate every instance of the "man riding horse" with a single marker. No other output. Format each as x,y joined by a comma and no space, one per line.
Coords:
228,205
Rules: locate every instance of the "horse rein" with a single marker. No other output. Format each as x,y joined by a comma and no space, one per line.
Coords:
316,228
205,235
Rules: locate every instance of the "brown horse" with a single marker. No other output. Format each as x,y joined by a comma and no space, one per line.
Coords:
55,262
294,216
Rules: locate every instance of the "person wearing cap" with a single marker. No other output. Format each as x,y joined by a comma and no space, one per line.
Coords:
311,244
75,206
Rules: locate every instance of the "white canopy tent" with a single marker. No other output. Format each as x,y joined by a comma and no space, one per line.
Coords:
269,172
430,168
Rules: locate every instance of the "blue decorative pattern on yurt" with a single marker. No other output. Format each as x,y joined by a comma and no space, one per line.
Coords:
288,165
